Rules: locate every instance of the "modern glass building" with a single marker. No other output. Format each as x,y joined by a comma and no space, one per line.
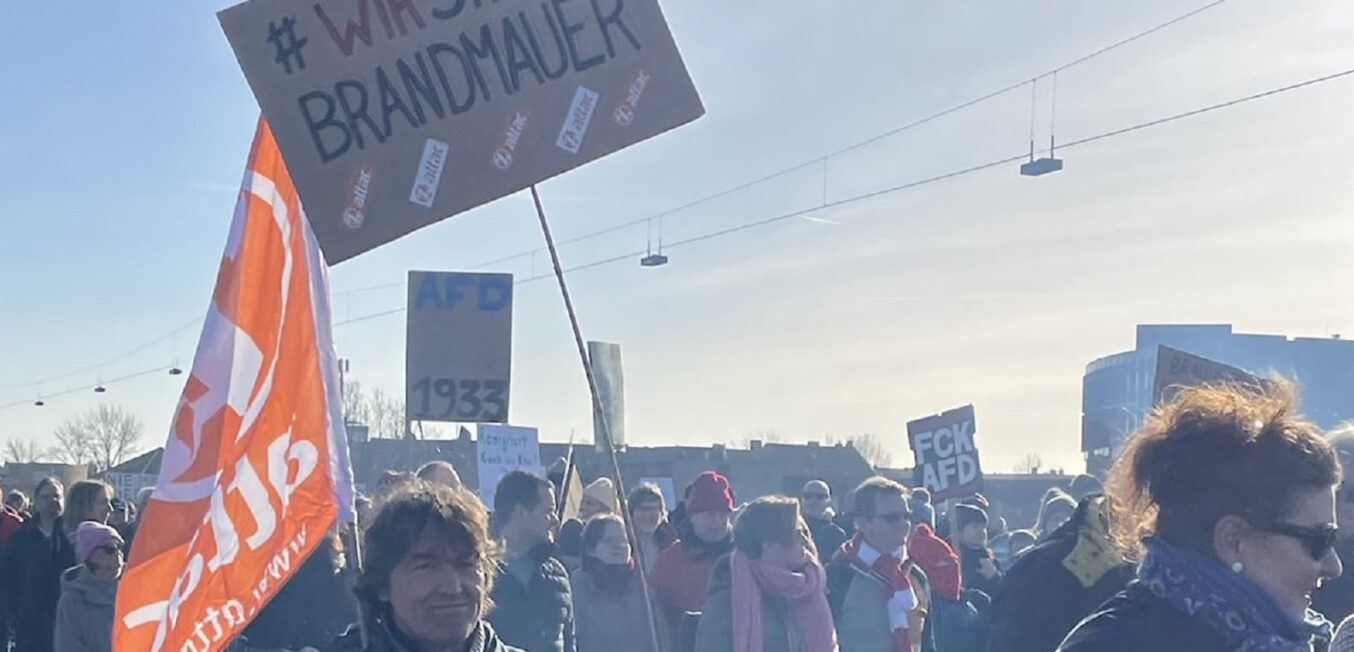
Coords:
1116,392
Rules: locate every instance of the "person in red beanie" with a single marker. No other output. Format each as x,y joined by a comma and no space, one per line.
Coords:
681,578
937,559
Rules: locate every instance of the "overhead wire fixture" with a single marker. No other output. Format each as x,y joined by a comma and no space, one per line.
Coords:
652,259
98,385
174,369
1039,167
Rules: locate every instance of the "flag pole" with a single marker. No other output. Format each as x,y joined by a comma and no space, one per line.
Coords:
599,414
354,563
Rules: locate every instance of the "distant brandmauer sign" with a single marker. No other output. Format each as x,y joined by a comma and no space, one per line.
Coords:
395,114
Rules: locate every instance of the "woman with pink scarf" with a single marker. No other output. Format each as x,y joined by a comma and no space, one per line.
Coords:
770,594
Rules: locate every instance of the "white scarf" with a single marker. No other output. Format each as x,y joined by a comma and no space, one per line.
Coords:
902,602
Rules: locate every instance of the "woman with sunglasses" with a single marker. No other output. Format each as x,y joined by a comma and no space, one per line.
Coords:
84,614
1226,499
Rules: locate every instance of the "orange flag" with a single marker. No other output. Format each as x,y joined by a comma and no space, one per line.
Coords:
255,471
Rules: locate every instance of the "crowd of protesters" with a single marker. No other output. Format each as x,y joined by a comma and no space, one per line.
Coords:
1219,529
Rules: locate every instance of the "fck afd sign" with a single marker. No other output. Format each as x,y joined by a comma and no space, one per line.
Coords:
946,457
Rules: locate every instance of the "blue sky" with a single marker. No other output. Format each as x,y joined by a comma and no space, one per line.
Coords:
126,127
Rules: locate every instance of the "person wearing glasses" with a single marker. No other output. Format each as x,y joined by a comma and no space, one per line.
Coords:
1226,499
1335,599
816,501
879,598
84,614
609,611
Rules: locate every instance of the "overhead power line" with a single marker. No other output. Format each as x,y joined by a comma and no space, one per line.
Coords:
117,358
917,183
85,388
841,202
835,153
708,198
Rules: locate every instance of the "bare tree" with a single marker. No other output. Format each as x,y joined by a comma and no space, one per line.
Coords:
23,452
356,408
387,415
103,438
871,449
73,442
1030,464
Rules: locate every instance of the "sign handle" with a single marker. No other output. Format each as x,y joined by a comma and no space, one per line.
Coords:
599,413
352,532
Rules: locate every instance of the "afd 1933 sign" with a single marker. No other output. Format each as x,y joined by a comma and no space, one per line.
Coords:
946,455
459,349
395,114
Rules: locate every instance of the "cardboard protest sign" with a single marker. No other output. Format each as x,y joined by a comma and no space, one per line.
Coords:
127,485
946,456
1177,368
502,450
395,114
459,347
605,359
255,469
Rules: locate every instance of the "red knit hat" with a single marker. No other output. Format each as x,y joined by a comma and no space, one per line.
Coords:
709,493
937,559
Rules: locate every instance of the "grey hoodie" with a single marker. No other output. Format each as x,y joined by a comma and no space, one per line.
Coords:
84,615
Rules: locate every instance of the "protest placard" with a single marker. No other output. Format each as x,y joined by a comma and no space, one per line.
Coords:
502,450
127,485
945,452
605,359
458,353
395,114
1177,368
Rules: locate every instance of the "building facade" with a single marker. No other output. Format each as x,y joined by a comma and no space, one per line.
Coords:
25,476
1117,390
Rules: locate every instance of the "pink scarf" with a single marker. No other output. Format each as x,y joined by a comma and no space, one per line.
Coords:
804,591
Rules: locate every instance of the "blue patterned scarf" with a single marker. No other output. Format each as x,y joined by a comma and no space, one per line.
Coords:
1233,606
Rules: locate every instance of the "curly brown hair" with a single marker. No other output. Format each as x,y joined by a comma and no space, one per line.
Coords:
1213,451
453,513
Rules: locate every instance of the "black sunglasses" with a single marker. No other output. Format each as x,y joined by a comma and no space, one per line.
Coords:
1319,540
111,548
815,496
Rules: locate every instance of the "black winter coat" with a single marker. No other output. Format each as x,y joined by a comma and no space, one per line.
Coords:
971,564
483,639
538,617
30,576
827,537
1137,621
316,591
1041,599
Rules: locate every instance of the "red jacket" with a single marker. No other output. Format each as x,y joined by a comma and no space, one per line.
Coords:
682,579
10,522
937,559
